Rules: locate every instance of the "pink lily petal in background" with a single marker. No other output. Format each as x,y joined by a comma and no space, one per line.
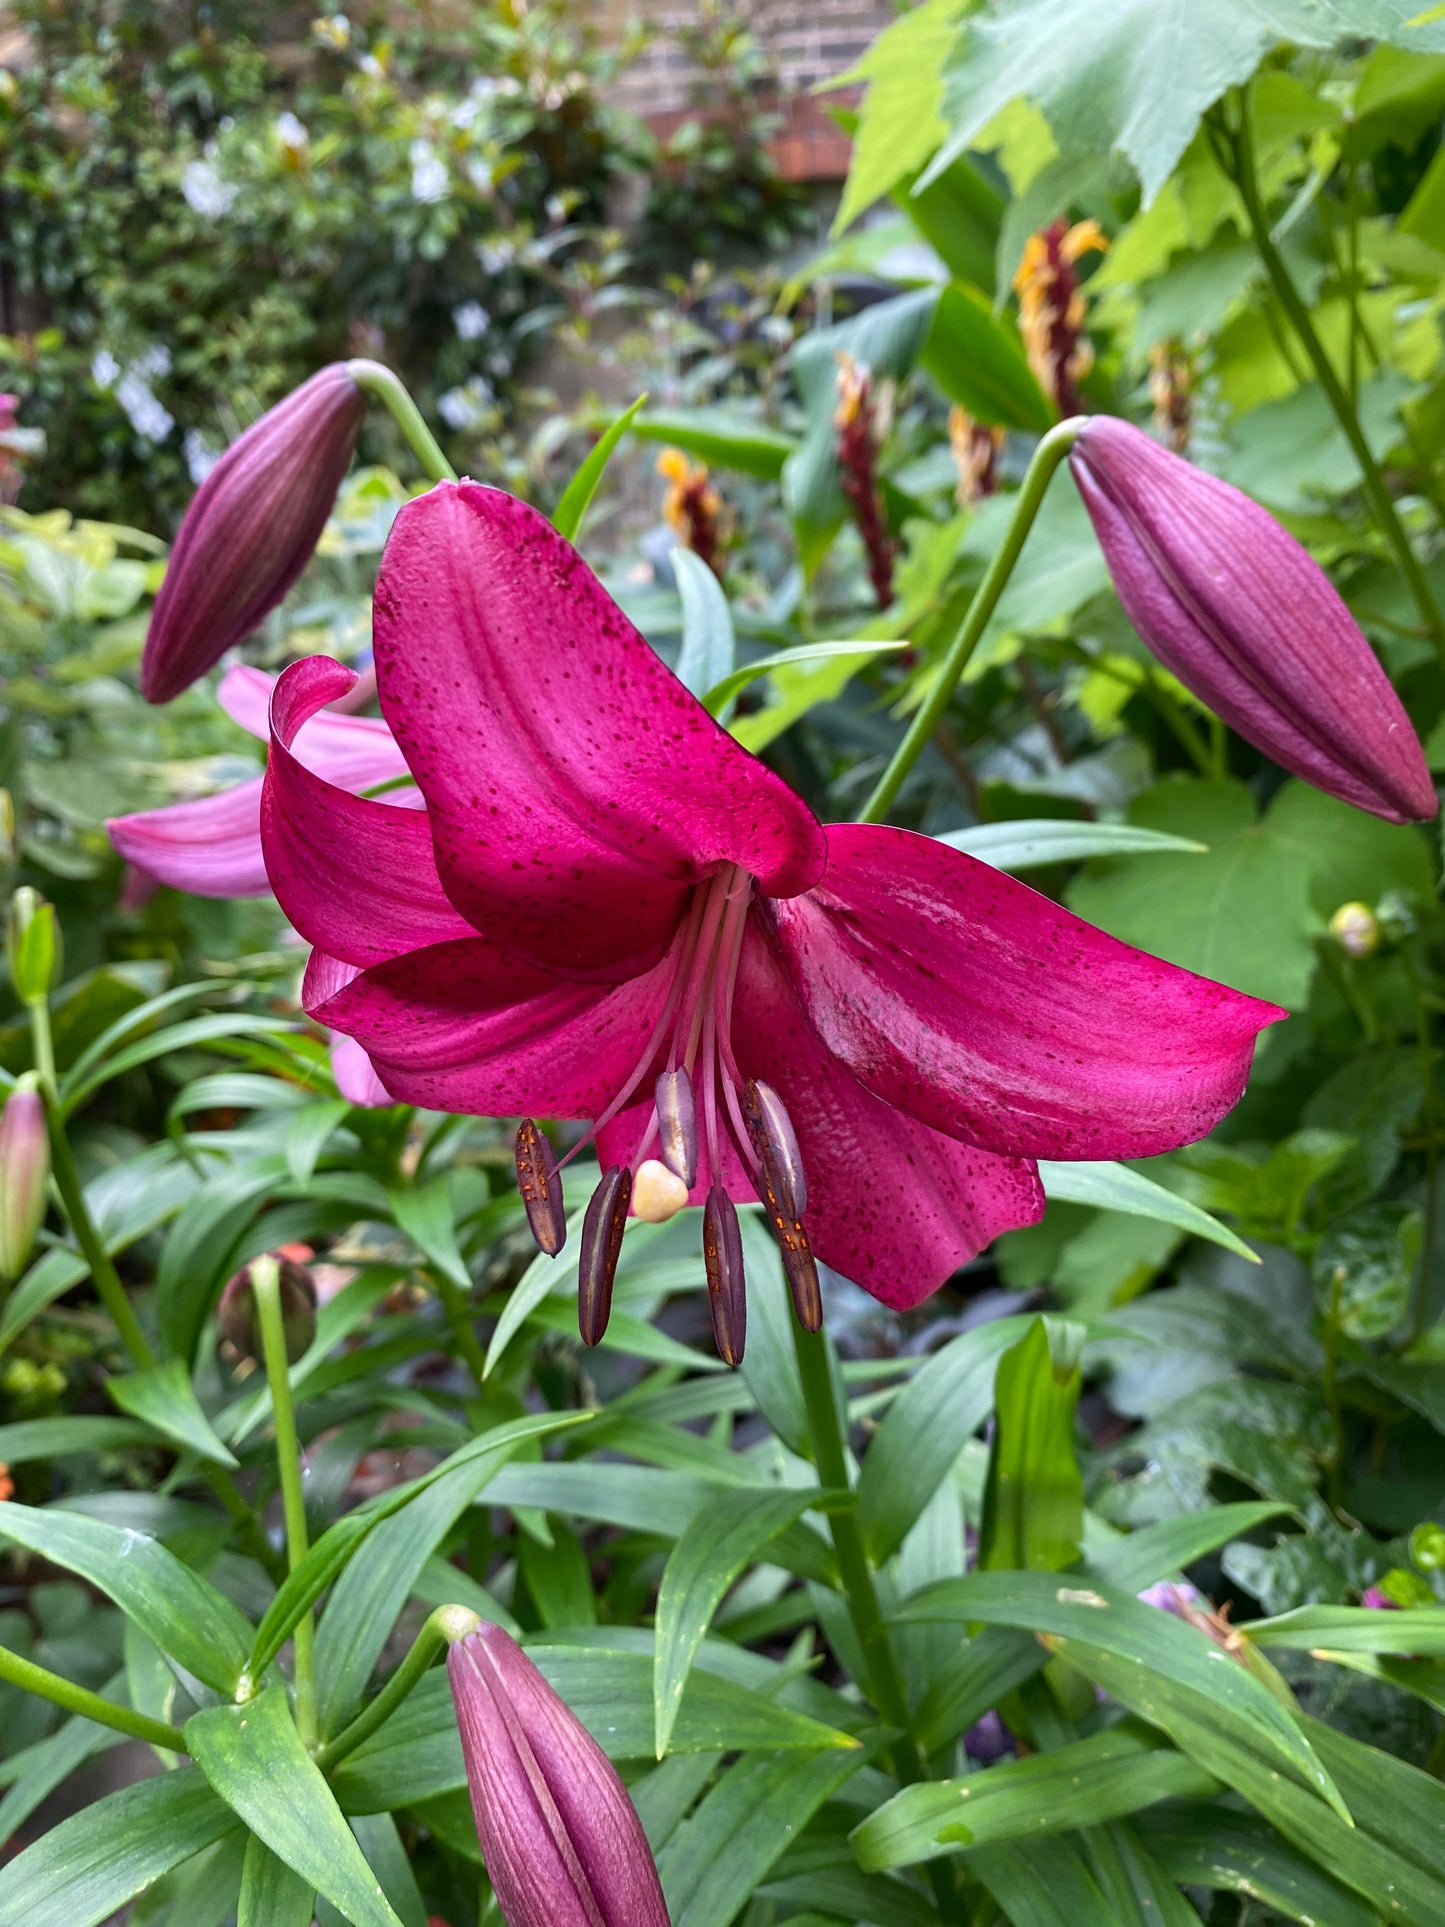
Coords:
576,790
988,1011
356,1077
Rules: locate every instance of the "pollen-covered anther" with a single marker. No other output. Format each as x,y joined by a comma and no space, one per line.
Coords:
677,1125
540,1183
602,1229
780,1178
769,1121
657,1193
722,1256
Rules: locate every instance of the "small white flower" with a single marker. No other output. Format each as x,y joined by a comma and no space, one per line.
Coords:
104,369
495,256
293,134
155,360
430,180
201,458
148,417
465,407
556,208
332,30
371,67
471,320
206,192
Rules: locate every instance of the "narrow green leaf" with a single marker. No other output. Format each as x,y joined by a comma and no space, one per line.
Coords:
717,699
577,496
196,1030
50,1762
726,1536
164,1397
1136,1559
1418,1630
272,1894
182,1612
1033,1502
709,646
543,1276
253,1757
1042,1890
54,1438
1114,1187
91,1865
1238,1853
1032,843
720,439
978,360
424,1213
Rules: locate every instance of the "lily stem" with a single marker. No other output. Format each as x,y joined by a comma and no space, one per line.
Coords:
1046,457
378,380
1382,504
266,1284
438,1632
31,1678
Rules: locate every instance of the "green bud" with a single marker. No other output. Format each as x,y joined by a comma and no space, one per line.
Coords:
24,1175
32,945
1427,1546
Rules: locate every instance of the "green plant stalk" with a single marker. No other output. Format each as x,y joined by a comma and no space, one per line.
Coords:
103,1273
1046,458
1420,1311
439,1631
31,1678
1246,179
266,1283
375,379
884,1683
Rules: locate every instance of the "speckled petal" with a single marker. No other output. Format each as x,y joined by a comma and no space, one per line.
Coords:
467,1026
893,1205
988,1012
355,877
575,788
355,752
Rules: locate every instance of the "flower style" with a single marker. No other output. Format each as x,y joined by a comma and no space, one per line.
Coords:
1247,619
610,910
561,1838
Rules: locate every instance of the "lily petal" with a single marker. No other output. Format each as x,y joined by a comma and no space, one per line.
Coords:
355,1075
356,878
210,846
988,1012
575,788
893,1205
355,752
467,1026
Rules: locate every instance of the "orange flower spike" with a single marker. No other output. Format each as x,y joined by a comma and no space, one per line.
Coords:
1052,308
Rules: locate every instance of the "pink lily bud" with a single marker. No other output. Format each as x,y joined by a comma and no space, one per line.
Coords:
1245,618
562,1841
251,529
241,1322
24,1176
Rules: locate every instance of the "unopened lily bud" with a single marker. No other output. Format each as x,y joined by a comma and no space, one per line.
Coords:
32,945
1248,621
1356,929
250,530
657,1193
24,1175
241,1322
561,1839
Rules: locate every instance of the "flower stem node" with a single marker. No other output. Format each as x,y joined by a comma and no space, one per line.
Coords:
602,1230
658,1194
540,1183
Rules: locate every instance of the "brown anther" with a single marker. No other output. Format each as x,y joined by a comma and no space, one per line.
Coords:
677,1124
602,1230
769,1121
722,1256
541,1187
775,1189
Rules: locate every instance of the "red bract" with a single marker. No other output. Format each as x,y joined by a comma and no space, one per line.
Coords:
605,888
251,529
1248,620
562,1841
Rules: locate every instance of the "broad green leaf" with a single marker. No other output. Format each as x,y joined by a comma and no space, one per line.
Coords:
424,1213
1042,1890
1212,1847
543,1276
719,1856
577,496
984,1670
91,1865
1033,1502
253,1757
719,439
1418,1630
709,647
53,1438
200,1893
724,1537
1030,845
1170,1674
201,1249
1136,1559
899,120
1115,1187
1105,1777
977,359
386,1855
272,1894
926,1427
47,1764
174,1606
721,694
164,1397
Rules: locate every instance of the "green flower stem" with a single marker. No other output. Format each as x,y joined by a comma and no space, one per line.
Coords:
31,1678
1246,179
446,1625
379,381
266,1283
1046,458
103,1273
884,1683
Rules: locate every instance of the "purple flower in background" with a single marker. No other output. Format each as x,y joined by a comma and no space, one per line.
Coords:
250,530
562,1841
24,1175
1248,621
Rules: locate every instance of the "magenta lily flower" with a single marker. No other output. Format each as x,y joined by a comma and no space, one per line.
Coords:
609,910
